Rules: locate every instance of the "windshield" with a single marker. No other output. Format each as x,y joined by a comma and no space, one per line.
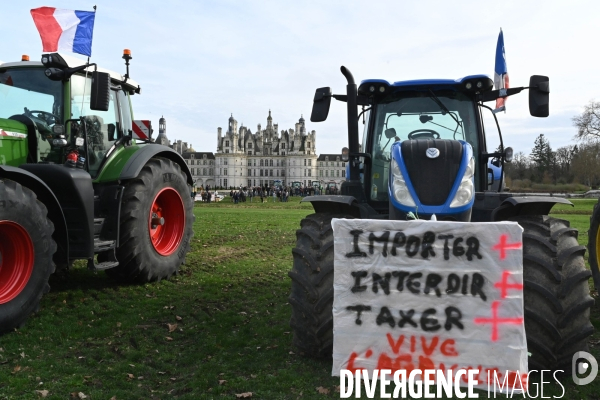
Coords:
423,115
27,91
416,115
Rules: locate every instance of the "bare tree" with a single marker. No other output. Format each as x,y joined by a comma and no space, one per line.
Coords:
586,164
588,122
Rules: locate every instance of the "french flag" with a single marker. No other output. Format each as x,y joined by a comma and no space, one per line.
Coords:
65,30
500,72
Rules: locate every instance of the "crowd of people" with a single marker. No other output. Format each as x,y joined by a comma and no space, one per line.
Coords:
264,193
274,193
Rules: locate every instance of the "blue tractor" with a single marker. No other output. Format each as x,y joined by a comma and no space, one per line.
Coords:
424,153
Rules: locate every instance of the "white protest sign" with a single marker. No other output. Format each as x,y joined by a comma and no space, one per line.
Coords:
429,295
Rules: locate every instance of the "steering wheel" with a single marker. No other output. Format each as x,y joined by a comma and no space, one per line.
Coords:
47,115
423,133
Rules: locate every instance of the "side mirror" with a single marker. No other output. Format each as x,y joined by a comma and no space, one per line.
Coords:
539,96
345,154
321,104
100,96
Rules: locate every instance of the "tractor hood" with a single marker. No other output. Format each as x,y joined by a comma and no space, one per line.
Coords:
13,142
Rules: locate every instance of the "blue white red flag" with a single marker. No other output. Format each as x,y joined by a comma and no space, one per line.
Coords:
65,30
500,71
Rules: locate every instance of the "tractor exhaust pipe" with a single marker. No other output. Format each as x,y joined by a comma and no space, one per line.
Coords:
351,93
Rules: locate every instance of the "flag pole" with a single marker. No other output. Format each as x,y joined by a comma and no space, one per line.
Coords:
88,60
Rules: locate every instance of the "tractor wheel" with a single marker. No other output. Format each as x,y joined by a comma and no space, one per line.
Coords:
594,244
312,286
156,224
26,249
556,292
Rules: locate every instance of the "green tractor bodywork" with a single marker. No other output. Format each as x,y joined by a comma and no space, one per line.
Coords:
13,148
68,155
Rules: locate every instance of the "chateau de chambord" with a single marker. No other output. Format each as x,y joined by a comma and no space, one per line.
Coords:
267,157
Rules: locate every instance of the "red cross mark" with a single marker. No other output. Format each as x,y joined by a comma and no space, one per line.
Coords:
502,246
503,285
495,321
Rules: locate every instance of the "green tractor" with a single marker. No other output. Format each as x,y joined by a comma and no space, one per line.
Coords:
424,154
81,180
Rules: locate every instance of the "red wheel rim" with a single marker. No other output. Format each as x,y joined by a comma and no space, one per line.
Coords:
166,222
16,260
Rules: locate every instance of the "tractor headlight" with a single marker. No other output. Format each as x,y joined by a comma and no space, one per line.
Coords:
465,191
400,188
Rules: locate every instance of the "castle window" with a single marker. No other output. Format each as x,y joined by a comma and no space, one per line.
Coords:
225,171
227,143
249,152
283,153
203,171
305,162
282,146
309,162
249,145
261,162
226,150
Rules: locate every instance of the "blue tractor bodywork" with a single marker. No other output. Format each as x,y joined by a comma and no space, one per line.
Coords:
442,211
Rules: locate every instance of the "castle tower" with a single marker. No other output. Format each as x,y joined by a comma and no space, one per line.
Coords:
162,132
232,125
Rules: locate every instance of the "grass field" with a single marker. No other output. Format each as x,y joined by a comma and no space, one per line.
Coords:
219,329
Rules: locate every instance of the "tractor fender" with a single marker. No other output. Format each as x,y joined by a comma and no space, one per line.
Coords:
47,197
136,162
339,204
526,205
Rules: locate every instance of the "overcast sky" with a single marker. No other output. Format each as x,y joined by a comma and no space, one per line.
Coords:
200,61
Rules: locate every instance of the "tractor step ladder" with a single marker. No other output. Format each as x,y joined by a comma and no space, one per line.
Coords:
105,247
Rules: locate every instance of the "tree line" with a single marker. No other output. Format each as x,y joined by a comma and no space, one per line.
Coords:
576,163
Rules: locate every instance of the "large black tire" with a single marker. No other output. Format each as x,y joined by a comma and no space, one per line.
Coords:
149,252
594,244
312,286
556,292
26,249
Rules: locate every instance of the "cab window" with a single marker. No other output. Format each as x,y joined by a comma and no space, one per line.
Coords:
101,125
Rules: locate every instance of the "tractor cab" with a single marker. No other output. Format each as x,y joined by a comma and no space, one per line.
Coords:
50,105
424,144
405,120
